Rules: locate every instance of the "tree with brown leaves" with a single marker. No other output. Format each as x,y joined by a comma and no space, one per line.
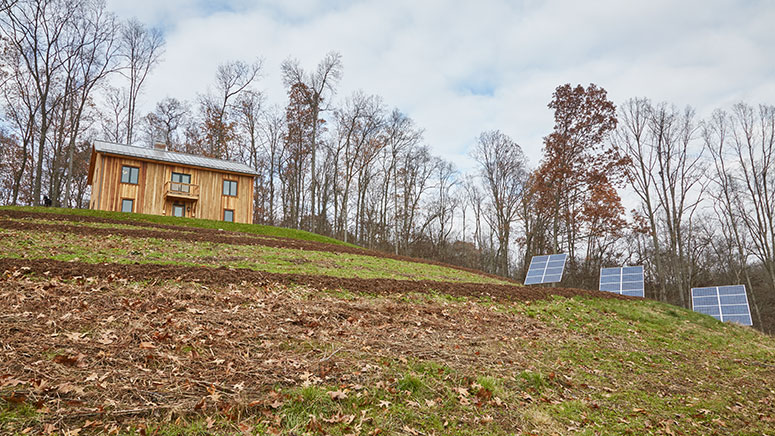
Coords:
576,179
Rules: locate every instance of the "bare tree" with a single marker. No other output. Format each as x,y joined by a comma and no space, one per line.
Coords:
667,173
113,116
729,200
164,122
679,186
141,50
37,30
358,124
441,208
400,134
20,102
247,114
503,169
272,131
415,171
320,85
231,79
94,59
632,137
743,147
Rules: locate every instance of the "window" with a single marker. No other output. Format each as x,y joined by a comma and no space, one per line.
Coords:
129,174
230,188
180,182
178,210
228,215
127,205
181,178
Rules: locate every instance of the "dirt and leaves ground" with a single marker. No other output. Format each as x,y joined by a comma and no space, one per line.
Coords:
95,348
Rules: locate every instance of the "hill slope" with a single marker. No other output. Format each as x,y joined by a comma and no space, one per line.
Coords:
111,326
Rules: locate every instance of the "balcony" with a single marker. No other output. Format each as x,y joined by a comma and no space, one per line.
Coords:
185,191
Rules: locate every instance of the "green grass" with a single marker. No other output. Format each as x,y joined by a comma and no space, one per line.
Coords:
14,418
414,396
641,364
121,249
187,222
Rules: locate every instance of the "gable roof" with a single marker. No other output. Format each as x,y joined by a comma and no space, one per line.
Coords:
156,154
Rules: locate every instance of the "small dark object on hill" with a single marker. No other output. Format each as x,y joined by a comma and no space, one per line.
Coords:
46,201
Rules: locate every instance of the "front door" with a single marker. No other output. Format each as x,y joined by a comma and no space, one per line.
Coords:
179,210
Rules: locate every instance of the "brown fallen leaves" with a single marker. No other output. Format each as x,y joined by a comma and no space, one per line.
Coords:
78,359
110,350
337,395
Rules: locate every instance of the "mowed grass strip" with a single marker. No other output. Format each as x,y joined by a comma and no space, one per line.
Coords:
257,229
122,249
98,225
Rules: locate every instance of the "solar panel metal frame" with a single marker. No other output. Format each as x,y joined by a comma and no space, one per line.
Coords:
716,298
546,266
626,283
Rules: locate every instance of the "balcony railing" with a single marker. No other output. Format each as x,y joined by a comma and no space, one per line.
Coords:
181,190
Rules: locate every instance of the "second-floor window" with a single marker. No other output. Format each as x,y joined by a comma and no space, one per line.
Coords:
180,182
129,174
230,188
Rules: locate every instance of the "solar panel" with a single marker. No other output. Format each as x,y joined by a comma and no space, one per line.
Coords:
626,280
546,269
725,303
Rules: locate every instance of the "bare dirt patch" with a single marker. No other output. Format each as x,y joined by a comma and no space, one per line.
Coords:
104,348
225,276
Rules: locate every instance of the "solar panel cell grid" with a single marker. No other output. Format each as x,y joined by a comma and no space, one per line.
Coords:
738,309
610,287
610,279
703,291
731,290
626,280
740,319
706,301
632,286
725,303
545,269
733,299
632,270
708,310
632,277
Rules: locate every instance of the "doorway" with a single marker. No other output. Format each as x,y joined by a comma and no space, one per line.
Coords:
178,210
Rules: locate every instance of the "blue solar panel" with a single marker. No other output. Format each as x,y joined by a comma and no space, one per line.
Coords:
626,280
546,269
725,303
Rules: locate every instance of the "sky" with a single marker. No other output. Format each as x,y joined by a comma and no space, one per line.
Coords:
459,68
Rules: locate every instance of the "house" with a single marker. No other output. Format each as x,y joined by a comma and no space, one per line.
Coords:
156,181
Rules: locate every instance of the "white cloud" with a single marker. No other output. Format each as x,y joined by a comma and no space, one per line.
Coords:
462,67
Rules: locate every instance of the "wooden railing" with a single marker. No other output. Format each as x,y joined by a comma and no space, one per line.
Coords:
181,190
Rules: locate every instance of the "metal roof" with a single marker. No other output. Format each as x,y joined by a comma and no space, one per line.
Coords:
173,157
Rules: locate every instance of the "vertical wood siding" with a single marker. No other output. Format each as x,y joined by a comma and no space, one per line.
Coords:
148,194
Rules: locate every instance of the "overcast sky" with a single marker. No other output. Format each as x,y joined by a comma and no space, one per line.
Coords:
461,67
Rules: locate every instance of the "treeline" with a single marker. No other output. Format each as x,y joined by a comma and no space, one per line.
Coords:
354,168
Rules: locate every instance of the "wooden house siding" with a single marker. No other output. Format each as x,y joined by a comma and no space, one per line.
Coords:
149,196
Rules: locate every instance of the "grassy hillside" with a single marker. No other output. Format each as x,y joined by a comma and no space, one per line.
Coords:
194,223
36,235
89,348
